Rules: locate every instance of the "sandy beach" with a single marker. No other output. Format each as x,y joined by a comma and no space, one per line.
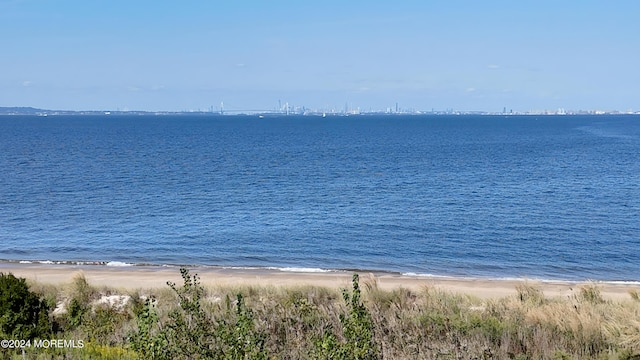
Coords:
141,277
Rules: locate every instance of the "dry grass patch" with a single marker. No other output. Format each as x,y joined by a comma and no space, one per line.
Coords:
295,322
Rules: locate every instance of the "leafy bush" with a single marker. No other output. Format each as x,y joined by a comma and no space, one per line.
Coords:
75,314
190,332
101,325
357,329
148,341
241,340
23,315
79,304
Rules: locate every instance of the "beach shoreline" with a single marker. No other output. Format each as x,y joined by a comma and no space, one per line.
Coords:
151,277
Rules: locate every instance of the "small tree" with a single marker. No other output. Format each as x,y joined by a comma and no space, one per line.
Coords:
23,315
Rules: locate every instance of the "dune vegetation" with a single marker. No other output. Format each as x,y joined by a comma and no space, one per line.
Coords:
190,321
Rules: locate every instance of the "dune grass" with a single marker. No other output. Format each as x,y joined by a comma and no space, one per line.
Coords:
362,322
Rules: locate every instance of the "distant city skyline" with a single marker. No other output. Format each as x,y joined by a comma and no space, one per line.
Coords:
489,56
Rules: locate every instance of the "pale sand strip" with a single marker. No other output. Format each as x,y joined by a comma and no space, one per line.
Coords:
155,277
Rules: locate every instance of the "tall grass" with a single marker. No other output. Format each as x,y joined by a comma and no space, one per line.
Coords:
306,322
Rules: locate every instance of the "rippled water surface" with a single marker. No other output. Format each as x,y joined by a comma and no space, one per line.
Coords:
488,196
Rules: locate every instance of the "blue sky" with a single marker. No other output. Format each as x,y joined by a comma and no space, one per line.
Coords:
190,55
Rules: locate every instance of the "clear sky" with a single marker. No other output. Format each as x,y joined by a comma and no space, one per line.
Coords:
194,54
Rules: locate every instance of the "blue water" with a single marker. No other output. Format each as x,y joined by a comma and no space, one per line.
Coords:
554,197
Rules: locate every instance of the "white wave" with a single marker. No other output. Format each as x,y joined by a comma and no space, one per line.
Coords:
621,282
556,281
46,262
118,264
303,270
273,268
26,262
413,274
245,268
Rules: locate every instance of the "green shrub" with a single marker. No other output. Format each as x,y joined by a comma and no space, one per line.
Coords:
102,323
79,304
357,329
148,341
23,315
241,340
190,332
75,314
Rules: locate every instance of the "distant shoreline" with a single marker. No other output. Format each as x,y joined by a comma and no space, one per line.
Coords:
147,277
31,111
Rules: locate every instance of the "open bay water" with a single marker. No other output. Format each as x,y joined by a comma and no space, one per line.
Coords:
550,197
